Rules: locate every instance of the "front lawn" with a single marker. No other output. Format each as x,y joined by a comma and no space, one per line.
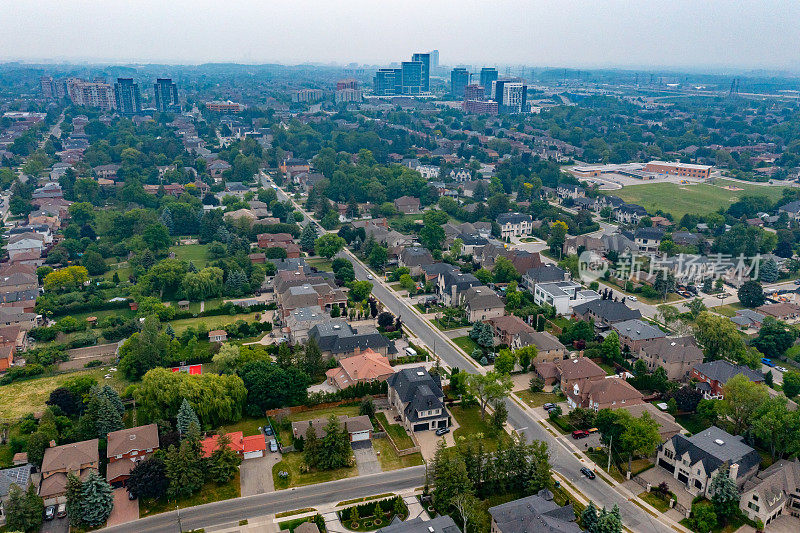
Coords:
298,475
372,515
536,399
466,344
397,432
210,492
728,310
390,460
470,423
290,525
692,423
657,500
339,410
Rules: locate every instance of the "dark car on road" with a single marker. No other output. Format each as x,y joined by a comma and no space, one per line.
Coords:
588,473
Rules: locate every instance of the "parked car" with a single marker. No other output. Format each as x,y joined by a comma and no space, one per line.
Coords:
633,298
767,361
49,512
580,434
369,276
781,368
273,445
61,512
549,406
588,473
268,431
442,431
592,430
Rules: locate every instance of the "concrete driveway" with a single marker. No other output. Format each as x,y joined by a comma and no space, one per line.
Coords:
428,440
255,475
785,523
57,525
124,509
366,459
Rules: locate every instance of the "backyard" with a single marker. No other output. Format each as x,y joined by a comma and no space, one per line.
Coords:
701,198
396,432
210,322
196,253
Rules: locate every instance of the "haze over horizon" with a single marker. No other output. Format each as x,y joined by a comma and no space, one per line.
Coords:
716,34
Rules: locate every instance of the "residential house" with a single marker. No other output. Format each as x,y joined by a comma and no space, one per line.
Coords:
451,286
676,355
366,367
127,447
635,333
537,512
562,295
583,204
609,393
605,312
24,243
648,239
619,243
439,524
712,376
792,209
570,191
251,447
482,303
514,225
407,205
748,319
686,238
217,335
611,202
293,165
629,213
572,245
217,167
787,312
414,258
460,175
771,492
667,426
300,321
507,330
78,458
694,461
339,340
417,397
19,475
544,273
548,347
359,428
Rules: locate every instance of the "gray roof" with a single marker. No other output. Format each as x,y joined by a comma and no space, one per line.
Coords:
291,264
632,208
791,207
338,337
637,330
722,371
435,269
705,447
674,350
650,233
440,524
459,280
416,256
618,242
608,310
546,273
482,297
534,513
543,340
411,383
513,218
18,475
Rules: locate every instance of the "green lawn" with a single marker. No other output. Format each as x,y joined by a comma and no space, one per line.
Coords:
196,253
680,199
123,313
470,423
211,322
248,426
340,410
656,500
691,422
210,492
536,399
466,344
390,460
29,396
728,310
290,525
397,432
320,263
293,463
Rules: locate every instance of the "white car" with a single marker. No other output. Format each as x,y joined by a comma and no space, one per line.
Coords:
369,276
782,369
633,298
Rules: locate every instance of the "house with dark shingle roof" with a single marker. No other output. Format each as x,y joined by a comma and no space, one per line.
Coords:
452,284
772,491
542,274
695,460
635,333
648,239
537,512
439,524
338,339
414,258
676,355
713,375
417,397
605,312
482,303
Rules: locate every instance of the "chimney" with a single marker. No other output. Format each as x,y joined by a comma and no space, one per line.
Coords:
734,471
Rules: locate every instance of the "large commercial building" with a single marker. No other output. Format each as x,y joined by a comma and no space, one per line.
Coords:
127,96
388,82
53,89
411,79
488,75
166,95
474,92
91,94
349,83
425,59
510,96
459,79
679,169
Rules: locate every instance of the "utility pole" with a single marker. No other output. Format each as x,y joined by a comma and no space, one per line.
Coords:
180,526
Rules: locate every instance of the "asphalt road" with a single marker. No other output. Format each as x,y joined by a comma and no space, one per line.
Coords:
249,507
523,420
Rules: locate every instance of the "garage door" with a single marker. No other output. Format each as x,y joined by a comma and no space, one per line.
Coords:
254,455
666,466
359,436
421,427
683,478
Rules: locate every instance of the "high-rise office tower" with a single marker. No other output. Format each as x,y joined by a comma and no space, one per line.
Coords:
434,59
459,79
425,59
126,93
488,75
166,94
388,82
412,77
511,96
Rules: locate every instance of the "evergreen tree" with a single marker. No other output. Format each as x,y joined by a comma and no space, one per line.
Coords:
589,518
97,500
184,466
307,238
74,500
148,478
186,417
23,509
334,449
170,331
191,268
608,521
107,417
223,462
312,357
725,494
311,448
450,478
113,397
166,219
284,358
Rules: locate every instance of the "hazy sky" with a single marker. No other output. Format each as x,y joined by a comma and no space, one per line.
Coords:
638,33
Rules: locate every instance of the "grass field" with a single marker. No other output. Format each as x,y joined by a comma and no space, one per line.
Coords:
293,464
466,344
390,460
536,399
397,432
196,253
728,310
702,198
470,423
210,492
29,396
211,322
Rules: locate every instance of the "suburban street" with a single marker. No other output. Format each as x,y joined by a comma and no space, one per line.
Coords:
249,507
522,419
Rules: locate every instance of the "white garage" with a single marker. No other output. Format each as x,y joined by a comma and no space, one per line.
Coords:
360,436
254,455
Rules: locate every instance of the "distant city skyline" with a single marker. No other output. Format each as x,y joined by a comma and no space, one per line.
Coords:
679,34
